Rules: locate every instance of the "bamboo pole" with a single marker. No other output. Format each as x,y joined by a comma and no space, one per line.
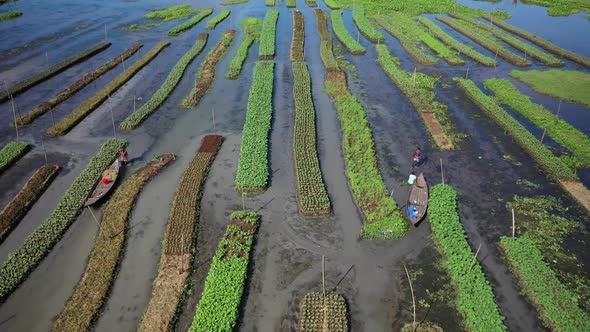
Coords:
513,224
474,257
412,291
93,217
325,324
442,174
14,115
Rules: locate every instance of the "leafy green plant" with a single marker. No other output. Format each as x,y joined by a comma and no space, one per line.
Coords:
454,44
365,26
234,2
316,306
21,262
218,308
23,86
343,35
267,37
137,117
332,4
12,152
78,114
291,3
252,174
235,66
297,43
553,165
212,23
441,50
188,24
557,129
10,16
172,13
475,297
326,53
402,29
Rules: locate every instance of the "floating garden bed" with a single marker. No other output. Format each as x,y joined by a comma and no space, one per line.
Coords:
311,3
11,153
323,312
50,103
177,12
326,47
219,306
401,32
89,296
251,33
137,117
332,4
178,247
475,297
78,114
419,88
267,37
188,24
206,74
234,2
311,191
16,209
10,16
291,3
353,46
566,85
21,262
252,175
365,26
297,43
23,86
212,23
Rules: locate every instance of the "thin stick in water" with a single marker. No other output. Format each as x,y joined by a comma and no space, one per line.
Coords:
474,257
412,291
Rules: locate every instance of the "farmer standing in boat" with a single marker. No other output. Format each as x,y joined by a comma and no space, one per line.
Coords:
123,156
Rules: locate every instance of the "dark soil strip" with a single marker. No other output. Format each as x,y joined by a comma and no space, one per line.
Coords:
14,211
28,118
54,70
207,73
83,307
297,48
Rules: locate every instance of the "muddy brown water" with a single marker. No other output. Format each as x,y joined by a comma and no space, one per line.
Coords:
286,261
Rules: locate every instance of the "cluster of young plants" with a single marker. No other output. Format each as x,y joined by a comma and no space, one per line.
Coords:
545,58
297,43
556,304
212,23
235,66
233,2
78,114
475,297
417,7
10,16
16,209
252,174
485,39
342,34
267,36
291,3
365,26
311,3
137,117
178,247
23,86
380,213
403,33
540,42
554,166
188,24
557,129
139,27
172,13
21,262
220,302
84,305
50,103
204,78
12,152
419,88
326,52
441,50
312,194
323,312
269,3
332,4
456,45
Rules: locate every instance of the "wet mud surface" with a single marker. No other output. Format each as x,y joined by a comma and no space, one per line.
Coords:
286,261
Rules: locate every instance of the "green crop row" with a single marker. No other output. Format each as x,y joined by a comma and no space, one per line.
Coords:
291,3
252,174
23,86
172,13
453,43
403,33
342,34
365,26
217,19
78,114
332,4
204,78
137,117
321,312
235,66
12,152
380,214
269,3
220,302
297,43
267,37
326,52
561,8
441,50
557,129
485,39
234,2
21,262
547,59
554,166
10,16
540,42
475,297
191,22
312,195
556,304
419,88
83,306
50,103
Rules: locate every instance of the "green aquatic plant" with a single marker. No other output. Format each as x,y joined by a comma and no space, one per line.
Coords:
172,13
401,27
365,25
188,24
10,16
343,35
566,85
212,23
12,152
139,27
267,36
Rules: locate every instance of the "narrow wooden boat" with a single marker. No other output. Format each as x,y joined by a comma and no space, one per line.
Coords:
418,200
101,189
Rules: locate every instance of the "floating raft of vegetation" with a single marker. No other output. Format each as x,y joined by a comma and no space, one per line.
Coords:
234,2
23,86
212,23
291,3
323,312
298,40
353,46
365,26
11,153
177,12
311,3
188,24
10,16
268,35
403,34
250,27
87,299
566,85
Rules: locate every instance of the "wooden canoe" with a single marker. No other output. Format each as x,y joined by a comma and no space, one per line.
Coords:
101,189
418,200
